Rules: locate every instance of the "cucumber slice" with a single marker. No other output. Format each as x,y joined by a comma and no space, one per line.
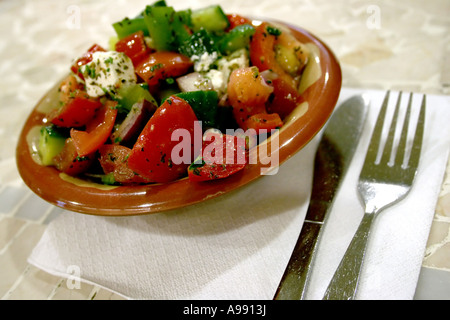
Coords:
236,39
128,26
51,143
167,26
160,3
211,18
197,44
128,95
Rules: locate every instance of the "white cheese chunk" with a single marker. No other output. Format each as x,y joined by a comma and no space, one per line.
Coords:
238,59
205,78
203,63
219,77
107,72
219,81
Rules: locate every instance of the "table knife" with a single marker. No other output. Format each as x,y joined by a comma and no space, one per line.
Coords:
333,156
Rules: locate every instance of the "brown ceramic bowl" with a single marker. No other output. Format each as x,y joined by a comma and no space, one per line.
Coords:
321,94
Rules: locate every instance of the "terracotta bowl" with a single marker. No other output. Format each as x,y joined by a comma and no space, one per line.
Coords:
321,93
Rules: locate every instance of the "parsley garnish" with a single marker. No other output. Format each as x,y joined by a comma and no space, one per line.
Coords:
156,67
273,31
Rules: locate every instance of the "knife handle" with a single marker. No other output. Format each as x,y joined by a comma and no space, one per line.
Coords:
344,283
295,278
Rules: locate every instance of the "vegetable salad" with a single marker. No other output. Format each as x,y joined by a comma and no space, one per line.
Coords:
169,77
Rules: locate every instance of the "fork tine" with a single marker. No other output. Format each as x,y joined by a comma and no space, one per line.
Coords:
418,137
374,145
390,139
400,156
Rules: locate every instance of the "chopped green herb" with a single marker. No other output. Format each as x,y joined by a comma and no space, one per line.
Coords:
156,67
170,81
109,60
273,31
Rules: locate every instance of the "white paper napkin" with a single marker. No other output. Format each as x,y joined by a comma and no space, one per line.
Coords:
237,246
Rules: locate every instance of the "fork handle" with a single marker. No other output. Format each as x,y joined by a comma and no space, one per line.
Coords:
344,283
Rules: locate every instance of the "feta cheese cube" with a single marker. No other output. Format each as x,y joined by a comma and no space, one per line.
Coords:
219,77
238,59
218,80
107,72
203,63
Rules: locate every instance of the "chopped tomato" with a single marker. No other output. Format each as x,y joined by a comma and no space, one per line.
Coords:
263,55
85,59
285,98
265,121
161,65
247,93
113,160
77,107
97,131
279,51
222,155
247,87
237,20
134,47
151,156
70,162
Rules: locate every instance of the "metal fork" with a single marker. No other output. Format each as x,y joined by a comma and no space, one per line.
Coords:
382,183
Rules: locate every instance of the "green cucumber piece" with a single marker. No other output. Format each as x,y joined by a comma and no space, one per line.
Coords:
197,44
128,26
51,143
211,18
236,39
167,27
128,95
160,3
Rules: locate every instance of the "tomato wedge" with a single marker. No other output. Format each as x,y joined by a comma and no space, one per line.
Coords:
262,53
97,131
285,98
133,46
151,156
77,107
247,93
222,155
70,162
161,65
114,160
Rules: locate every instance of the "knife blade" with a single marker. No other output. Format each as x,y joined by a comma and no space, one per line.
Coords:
333,156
